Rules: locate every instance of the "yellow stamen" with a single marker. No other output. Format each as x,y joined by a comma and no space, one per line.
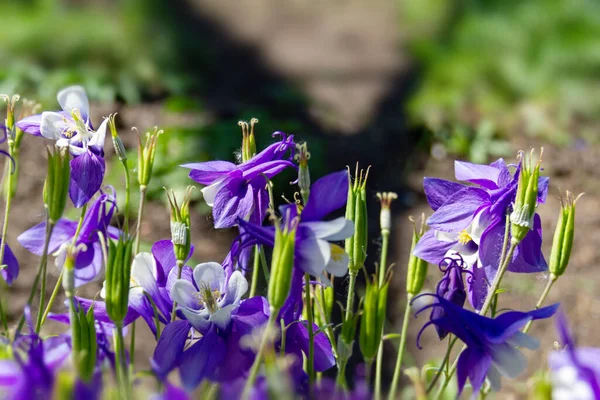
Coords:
337,253
464,237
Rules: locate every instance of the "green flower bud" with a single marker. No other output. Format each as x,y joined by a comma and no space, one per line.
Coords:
180,223
56,186
356,211
302,156
417,268
346,339
83,341
373,318
325,297
248,139
563,236
282,264
10,114
526,199
118,276
117,142
146,155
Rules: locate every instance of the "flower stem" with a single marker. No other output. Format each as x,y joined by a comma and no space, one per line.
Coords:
385,238
41,268
255,268
542,298
488,300
121,365
257,361
451,342
396,378
52,298
311,334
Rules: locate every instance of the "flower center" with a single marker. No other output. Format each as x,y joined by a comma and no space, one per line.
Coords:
209,297
337,253
464,237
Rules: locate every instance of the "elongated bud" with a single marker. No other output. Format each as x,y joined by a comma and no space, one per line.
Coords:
385,216
146,155
83,340
117,142
10,114
324,305
373,318
563,236
68,266
248,139
346,339
417,268
526,199
56,186
356,211
118,276
180,223
302,156
282,264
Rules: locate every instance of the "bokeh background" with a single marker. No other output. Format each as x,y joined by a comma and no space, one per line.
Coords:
405,86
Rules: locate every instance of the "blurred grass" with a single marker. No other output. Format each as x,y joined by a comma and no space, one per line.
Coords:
528,67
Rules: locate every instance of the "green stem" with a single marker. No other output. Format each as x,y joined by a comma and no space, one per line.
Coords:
122,375
451,342
7,207
397,369
263,261
488,300
41,267
127,196
311,334
542,298
138,226
255,268
385,238
52,298
350,295
259,355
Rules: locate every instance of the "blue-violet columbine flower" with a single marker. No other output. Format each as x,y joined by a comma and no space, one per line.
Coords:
492,344
313,251
239,191
470,221
575,371
72,128
88,263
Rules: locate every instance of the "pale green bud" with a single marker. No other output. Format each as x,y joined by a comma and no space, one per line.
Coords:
302,156
118,278
146,154
356,211
564,233
526,199
83,341
417,268
248,139
180,223
373,318
282,264
56,186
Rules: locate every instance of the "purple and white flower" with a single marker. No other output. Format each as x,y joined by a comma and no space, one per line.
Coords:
470,221
239,191
72,128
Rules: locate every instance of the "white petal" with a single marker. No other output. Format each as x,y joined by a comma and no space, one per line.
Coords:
477,226
338,262
75,150
337,229
520,339
53,125
98,137
143,272
74,98
198,319
210,192
494,378
103,290
509,361
211,274
236,288
185,294
445,236
223,315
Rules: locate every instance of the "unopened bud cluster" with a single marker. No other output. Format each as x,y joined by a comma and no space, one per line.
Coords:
356,211
373,318
56,186
282,263
118,275
417,268
562,242
302,156
526,199
248,139
146,154
180,223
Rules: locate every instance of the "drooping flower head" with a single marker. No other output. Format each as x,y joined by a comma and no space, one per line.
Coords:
89,261
238,191
492,344
575,371
72,128
470,221
313,251
451,287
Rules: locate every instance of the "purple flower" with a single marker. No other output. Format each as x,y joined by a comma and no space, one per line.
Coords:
313,252
30,374
470,221
575,371
238,191
11,272
72,128
88,263
492,344
452,288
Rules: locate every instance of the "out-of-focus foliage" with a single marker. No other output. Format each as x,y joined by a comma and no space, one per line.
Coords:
48,44
522,66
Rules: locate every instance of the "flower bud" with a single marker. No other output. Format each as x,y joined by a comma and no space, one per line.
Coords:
146,155
324,305
346,339
356,211
373,318
10,114
452,288
282,264
117,142
118,277
83,340
526,199
385,216
56,186
302,156
563,236
248,139
180,223
417,268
